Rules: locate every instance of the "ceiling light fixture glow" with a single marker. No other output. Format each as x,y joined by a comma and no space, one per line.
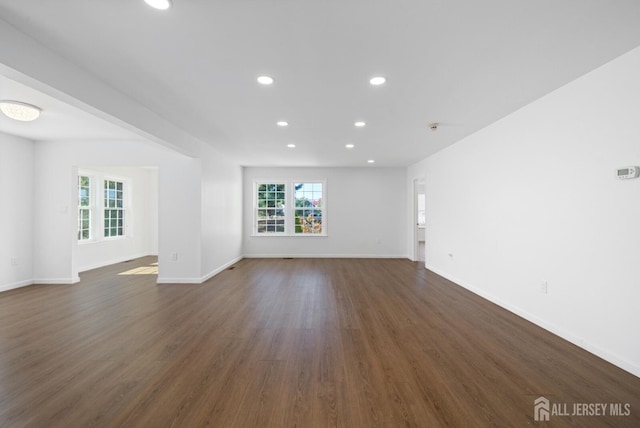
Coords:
159,4
283,123
265,80
359,124
291,146
349,146
378,80
371,161
17,110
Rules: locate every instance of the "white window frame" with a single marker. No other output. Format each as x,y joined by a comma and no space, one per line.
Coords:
289,208
124,208
322,208
257,208
90,208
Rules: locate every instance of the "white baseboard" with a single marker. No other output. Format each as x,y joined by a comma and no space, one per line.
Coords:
56,281
325,256
15,285
616,360
179,281
220,269
112,262
201,279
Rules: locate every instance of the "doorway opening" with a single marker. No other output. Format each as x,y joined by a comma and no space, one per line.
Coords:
419,214
117,217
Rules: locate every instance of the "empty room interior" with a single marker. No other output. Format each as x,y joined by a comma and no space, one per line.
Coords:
352,214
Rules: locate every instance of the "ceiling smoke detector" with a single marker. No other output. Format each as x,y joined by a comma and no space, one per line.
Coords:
433,126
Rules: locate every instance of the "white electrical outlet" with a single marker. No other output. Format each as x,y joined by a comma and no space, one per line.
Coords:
174,257
543,287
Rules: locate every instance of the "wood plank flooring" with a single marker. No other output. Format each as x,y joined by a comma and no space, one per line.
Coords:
287,343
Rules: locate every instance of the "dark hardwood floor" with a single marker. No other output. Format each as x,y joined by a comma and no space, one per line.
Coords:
288,343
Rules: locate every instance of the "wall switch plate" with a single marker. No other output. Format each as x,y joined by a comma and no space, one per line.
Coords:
174,257
14,261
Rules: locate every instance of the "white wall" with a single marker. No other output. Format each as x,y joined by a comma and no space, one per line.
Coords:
534,198
221,213
141,220
366,214
16,212
199,210
56,258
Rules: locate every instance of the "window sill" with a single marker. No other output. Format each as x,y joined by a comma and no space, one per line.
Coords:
288,235
101,240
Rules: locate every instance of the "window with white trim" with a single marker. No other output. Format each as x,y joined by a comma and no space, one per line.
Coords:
290,208
85,196
270,208
308,197
114,209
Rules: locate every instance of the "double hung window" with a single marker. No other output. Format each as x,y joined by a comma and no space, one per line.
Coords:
85,196
290,208
110,210
113,208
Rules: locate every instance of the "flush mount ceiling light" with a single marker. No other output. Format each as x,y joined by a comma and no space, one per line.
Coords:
283,123
349,146
159,4
377,80
266,80
371,161
17,110
291,146
359,124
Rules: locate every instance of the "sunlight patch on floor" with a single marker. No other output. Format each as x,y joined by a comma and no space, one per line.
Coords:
142,270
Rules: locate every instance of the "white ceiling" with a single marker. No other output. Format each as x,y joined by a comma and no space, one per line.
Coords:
462,63
59,121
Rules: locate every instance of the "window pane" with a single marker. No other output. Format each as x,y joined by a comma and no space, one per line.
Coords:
270,209
308,221
308,198
114,204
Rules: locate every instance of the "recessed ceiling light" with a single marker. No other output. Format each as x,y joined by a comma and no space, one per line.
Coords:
283,123
266,80
359,124
159,4
371,161
378,80
17,110
349,146
291,146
